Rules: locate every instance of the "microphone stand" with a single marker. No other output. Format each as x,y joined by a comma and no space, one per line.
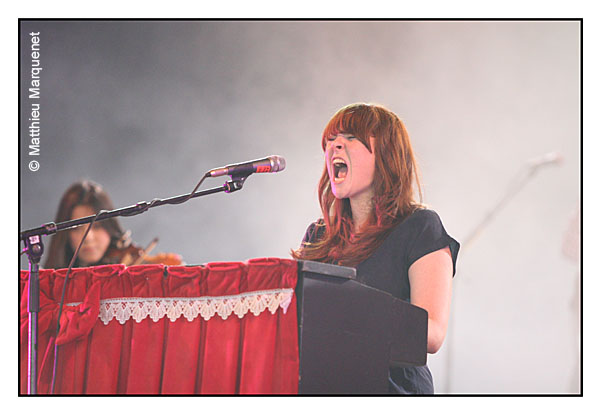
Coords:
32,238
34,249
519,181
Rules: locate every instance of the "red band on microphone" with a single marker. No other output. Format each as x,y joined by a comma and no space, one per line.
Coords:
263,169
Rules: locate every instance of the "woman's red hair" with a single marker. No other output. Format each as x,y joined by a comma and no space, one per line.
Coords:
395,183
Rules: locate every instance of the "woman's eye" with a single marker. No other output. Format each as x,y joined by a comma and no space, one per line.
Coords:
333,138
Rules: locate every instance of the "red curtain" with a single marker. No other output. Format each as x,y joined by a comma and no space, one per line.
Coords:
146,353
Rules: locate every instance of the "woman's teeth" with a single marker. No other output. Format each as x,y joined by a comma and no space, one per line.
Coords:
340,170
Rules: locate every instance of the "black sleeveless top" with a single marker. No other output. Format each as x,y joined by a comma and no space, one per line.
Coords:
387,269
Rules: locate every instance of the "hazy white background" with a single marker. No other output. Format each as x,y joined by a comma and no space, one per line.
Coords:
145,108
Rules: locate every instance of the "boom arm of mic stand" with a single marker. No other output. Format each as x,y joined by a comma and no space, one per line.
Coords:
140,207
513,190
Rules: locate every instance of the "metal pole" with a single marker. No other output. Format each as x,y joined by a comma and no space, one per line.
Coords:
34,252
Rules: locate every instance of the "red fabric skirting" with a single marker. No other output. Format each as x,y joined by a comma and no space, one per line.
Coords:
253,354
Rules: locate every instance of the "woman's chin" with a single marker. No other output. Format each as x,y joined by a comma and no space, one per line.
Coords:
339,191
340,195
87,261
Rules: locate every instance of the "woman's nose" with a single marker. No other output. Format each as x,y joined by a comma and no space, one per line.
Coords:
91,234
339,142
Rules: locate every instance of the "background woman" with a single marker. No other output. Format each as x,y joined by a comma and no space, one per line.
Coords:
371,221
84,198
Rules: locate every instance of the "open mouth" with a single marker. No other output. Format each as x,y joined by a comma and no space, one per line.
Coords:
340,170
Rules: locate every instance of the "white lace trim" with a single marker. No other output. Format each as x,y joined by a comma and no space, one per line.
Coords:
173,308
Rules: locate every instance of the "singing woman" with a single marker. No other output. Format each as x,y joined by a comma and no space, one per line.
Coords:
372,221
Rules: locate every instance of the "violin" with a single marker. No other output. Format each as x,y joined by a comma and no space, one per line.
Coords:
128,253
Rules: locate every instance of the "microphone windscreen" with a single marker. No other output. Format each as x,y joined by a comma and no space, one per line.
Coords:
278,163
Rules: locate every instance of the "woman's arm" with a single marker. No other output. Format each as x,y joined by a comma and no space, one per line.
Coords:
430,280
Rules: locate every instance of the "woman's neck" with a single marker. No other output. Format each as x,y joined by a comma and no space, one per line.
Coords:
361,208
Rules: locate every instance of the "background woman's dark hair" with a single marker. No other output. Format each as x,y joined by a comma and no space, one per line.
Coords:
87,193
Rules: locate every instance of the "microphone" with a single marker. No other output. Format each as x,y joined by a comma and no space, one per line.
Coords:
271,164
549,158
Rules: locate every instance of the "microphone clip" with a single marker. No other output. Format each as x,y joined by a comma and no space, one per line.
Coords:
236,182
